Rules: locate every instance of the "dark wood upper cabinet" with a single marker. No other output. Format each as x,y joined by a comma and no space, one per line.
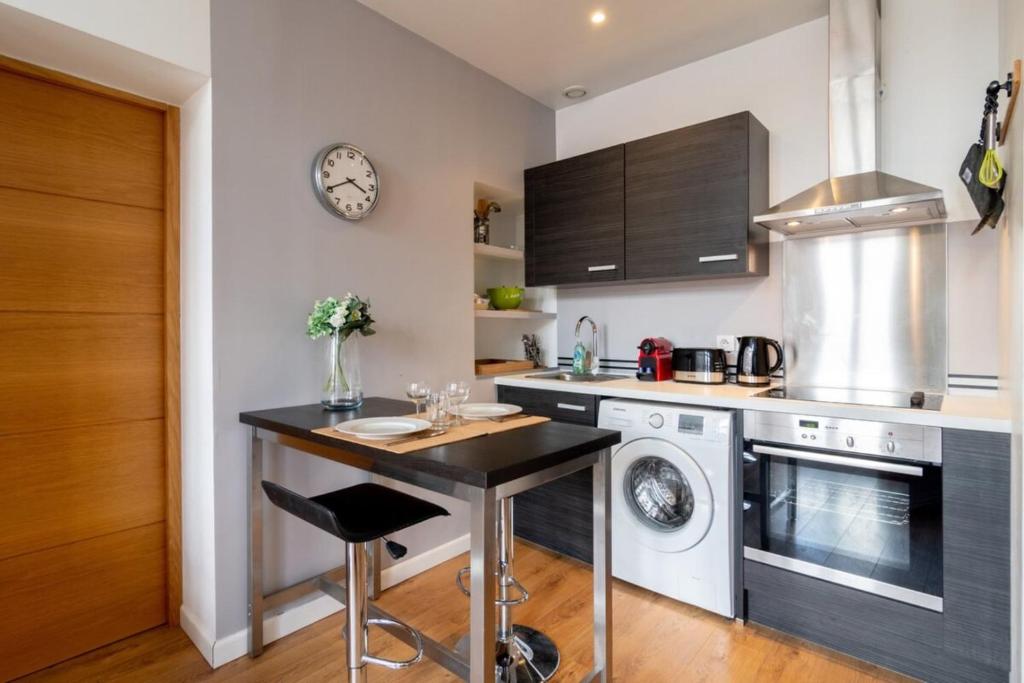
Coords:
678,205
691,195
575,220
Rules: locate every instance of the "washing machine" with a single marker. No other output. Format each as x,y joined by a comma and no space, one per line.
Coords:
672,493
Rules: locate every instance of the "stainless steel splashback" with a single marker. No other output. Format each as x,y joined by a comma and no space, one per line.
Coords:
867,310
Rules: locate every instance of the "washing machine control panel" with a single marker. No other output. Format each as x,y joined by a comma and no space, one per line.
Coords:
691,424
665,420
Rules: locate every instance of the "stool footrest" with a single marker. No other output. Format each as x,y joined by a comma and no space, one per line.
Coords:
394,663
523,597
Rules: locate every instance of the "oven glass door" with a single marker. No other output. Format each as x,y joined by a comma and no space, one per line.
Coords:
875,519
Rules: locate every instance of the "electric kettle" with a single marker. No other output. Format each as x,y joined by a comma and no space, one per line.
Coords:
752,367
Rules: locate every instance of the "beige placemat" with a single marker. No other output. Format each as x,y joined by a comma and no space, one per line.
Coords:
414,442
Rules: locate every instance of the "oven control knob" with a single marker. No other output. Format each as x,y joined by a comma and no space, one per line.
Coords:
891,446
849,441
656,420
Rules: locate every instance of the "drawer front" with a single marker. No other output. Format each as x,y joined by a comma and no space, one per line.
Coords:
558,405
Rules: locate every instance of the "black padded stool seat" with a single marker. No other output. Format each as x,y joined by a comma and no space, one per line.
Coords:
357,514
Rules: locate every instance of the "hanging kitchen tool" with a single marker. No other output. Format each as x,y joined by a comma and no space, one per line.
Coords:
981,171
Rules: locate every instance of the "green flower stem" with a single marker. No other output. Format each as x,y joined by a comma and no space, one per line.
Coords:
337,369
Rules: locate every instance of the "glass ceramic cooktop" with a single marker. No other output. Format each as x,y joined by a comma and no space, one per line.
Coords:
863,397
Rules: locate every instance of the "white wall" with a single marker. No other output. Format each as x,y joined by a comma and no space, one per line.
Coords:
1011,279
930,115
176,31
290,78
198,612
163,55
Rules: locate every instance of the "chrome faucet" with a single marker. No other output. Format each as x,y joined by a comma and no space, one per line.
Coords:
585,360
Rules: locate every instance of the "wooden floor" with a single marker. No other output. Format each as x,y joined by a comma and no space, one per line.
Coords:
655,639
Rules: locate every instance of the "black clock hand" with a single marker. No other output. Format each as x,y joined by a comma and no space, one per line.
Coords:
353,181
344,182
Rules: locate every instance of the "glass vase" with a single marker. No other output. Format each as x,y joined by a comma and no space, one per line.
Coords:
343,385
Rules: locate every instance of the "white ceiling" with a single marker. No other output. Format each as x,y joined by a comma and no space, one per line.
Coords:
540,47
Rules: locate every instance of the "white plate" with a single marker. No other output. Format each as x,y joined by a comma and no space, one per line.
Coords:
382,427
485,411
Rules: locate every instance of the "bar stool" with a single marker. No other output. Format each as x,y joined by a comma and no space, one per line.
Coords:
524,654
358,515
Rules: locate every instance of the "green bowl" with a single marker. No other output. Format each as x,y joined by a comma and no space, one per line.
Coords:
505,298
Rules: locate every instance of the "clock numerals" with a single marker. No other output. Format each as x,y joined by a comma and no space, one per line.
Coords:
353,188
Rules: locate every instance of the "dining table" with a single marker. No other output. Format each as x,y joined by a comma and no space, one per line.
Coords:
481,470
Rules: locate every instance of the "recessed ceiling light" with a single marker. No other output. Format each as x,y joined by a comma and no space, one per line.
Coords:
900,209
574,92
597,17
792,224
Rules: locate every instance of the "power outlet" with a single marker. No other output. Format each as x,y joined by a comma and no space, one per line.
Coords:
726,342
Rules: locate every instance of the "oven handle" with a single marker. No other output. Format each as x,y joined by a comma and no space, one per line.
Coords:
844,460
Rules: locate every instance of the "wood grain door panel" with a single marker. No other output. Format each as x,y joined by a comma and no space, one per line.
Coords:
574,220
61,602
89,414
73,143
69,254
69,485
686,198
73,369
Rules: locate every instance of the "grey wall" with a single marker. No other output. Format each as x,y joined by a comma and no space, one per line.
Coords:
290,77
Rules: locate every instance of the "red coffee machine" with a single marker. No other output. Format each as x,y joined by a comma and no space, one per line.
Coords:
655,361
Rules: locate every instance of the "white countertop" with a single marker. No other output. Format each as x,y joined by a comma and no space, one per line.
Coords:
980,413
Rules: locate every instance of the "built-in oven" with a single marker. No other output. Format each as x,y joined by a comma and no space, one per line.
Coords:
853,502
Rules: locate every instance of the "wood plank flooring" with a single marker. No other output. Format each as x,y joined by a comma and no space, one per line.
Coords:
655,639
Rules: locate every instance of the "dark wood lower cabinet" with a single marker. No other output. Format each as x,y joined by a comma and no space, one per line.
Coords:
558,515
895,635
970,639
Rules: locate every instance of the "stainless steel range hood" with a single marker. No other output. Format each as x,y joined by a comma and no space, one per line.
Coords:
857,196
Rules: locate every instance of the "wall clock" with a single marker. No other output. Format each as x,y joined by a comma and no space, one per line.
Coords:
345,181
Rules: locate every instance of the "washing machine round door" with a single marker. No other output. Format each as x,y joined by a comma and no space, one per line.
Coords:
661,494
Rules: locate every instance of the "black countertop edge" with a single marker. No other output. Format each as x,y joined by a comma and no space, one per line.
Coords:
484,462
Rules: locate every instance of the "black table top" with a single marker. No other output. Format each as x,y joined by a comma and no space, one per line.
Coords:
483,462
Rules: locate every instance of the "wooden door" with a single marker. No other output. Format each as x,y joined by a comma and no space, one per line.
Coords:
574,220
691,194
88,365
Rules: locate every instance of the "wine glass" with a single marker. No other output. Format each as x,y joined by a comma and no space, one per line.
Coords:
458,393
417,393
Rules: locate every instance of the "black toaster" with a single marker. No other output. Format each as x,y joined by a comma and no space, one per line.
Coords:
699,366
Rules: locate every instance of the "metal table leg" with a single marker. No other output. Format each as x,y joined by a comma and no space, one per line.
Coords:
255,504
482,563
603,567
373,575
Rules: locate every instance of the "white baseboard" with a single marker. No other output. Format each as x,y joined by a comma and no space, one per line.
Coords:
313,608
203,641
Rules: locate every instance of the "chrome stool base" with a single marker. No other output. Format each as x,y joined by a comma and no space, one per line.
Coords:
535,656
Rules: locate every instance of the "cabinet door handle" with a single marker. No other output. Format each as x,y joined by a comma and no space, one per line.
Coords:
572,406
718,257
597,269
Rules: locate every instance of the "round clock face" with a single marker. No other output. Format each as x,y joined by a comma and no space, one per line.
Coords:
345,181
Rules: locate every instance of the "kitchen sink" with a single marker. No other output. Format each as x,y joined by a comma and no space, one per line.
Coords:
570,377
